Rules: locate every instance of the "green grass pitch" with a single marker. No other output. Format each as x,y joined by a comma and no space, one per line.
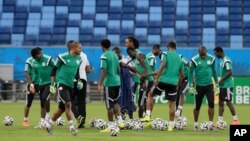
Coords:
19,133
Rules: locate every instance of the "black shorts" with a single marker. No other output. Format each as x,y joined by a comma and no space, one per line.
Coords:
170,91
44,92
30,97
184,87
64,93
201,92
226,94
111,96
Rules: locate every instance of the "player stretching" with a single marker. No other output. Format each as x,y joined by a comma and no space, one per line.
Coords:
204,67
33,83
226,85
43,65
182,90
168,78
110,80
156,51
67,65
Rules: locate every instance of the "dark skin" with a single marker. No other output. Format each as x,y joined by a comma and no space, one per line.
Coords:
229,73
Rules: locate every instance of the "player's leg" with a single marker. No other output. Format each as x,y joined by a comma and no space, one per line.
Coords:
171,95
142,98
46,101
231,106
209,91
29,99
181,92
198,103
81,104
156,90
222,96
114,95
42,103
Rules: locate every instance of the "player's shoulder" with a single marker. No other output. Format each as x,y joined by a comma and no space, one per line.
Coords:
62,55
196,57
210,56
104,56
29,60
47,57
226,59
150,55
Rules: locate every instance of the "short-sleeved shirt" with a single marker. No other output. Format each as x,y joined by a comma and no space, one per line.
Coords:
31,70
203,70
68,66
110,63
186,66
152,61
85,62
174,65
43,67
226,65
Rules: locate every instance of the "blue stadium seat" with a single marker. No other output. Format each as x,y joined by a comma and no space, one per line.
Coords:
182,17
21,9
8,9
7,16
115,39
155,3
85,39
181,38
5,30
195,10
154,24
59,30
86,31
87,24
195,17
47,23
36,9
142,3
115,3
58,39
209,31
114,24
45,30
235,10
168,17
18,30
195,3
154,31
20,23
222,31
181,24
32,22
195,24
76,2
62,9
170,3
235,17
6,23
114,31
236,31
223,3
75,16
9,2
208,38
155,10
195,38
63,2
195,31
75,9
61,16
237,24
168,23
182,10
30,30
48,9
127,24
236,3
74,23
167,31
72,30
100,31
48,16
140,31
32,38
60,23
165,39
89,10
128,17
100,23
115,10
72,37
142,40
128,10
222,24
89,2
36,3
155,17
127,31
210,3
222,38
247,10
128,3
246,24
114,16
154,39
49,2
141,24
102,9
181,31
102,3
17,39
209,10
5,38
169,10
21,16
44,37
34,16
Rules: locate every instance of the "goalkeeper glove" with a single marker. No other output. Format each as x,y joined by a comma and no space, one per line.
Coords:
79,84
192,90
216,90
52,88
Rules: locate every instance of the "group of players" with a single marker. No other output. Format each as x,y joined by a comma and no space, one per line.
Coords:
176,76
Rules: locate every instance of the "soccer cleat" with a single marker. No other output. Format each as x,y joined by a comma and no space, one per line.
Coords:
121,125
170,128
212,128
47,127
235,122
106,130
147,118
196,127
26,123
178,113
73,131
80,121
39,125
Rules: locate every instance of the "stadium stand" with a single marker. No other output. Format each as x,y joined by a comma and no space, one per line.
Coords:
189,22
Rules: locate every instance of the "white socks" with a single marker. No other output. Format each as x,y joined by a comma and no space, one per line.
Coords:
25,119
148,112
47,116
220,118
71,124
235,117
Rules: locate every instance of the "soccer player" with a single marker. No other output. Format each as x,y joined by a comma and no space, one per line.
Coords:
33,83
168,78
43,65
140,62
110,82
226,85
80,101
203,68
182,90
156,51
68,65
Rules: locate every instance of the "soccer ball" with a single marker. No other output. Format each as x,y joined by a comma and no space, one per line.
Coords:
138,126
8,121
129,124
162,126
92,123
114,131
60,121
221,125
101,124
204,126
181,123
156,123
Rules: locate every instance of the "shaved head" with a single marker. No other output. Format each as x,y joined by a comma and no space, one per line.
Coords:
202,51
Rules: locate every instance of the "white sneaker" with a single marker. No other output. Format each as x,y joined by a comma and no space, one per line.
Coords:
47,127
196,127
73,131
178,113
